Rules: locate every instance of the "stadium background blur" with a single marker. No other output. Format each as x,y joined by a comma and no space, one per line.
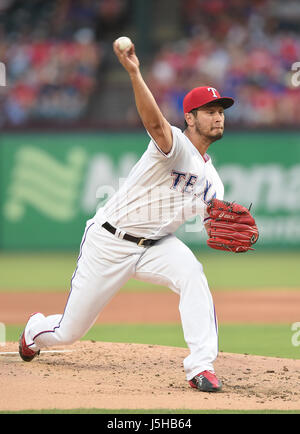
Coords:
71,132
60,65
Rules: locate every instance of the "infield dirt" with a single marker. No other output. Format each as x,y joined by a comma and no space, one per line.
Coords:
130,376
280,306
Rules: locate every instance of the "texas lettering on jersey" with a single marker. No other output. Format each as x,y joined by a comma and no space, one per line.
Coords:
187,183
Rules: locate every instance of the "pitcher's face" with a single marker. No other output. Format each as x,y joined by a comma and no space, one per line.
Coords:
208,121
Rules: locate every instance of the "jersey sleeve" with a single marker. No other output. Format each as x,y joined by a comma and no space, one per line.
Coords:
155,150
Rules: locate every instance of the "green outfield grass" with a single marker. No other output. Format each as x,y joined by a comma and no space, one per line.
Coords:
253,270
271,340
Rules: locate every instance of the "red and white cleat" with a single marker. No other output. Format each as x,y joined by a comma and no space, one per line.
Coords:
206,381
25,352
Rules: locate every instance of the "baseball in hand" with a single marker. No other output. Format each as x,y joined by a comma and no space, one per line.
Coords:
124,43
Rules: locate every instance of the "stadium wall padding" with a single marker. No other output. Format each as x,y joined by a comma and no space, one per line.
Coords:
51,183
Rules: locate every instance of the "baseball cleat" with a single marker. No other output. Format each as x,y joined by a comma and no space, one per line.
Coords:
25,352
206,381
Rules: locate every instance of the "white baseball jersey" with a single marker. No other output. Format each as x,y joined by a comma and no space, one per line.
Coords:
160,193
163,191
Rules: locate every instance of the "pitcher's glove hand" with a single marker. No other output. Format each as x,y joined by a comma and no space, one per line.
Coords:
231,227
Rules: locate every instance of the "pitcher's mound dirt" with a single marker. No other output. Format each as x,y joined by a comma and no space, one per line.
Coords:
128,376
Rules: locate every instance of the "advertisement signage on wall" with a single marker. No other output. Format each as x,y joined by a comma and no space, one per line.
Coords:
52,183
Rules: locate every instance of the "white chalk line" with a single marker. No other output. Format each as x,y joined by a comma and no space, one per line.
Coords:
3,353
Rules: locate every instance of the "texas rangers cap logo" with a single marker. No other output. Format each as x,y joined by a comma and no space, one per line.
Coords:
214,92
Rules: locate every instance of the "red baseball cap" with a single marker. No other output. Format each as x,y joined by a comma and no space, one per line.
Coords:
199,96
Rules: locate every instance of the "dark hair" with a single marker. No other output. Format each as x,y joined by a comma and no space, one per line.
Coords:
194,111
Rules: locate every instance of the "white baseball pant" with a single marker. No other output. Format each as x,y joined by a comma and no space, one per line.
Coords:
104,265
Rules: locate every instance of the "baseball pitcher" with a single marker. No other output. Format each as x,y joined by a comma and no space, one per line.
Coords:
132,236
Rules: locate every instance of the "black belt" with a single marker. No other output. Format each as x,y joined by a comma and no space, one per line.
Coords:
142,242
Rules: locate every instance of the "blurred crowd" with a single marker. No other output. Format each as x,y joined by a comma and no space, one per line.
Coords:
52,51
243,48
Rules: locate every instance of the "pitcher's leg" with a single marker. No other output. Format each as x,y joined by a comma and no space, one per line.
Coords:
199,324
95,281
171,263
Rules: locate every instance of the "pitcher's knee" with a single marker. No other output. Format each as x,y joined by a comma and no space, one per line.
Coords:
68,337
60,335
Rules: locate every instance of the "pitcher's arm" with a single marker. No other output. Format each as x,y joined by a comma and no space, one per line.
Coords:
149,112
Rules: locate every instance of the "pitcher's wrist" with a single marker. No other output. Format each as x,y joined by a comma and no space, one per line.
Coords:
134,74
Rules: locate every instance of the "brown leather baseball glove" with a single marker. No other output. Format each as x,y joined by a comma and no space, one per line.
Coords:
231,227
